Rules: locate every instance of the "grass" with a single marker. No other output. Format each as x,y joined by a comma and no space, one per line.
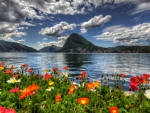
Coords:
101,99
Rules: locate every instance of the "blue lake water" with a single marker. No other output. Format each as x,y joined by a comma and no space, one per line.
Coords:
95,64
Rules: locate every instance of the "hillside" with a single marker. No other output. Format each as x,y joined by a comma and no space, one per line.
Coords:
52,48
77,43
15,47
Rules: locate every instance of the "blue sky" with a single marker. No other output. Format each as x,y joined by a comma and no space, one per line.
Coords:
106,23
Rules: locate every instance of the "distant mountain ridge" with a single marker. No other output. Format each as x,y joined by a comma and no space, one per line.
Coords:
51,48
15,47
77,43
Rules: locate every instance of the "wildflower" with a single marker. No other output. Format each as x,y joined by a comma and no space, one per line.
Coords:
72,88
10,110
133,87
11,67
83,73
13,80
65,67
50,88
65,75
1,64
122,75
26,92
30,70
14,90
58,98
33,87
96,84
80,77
9,71
83,100
1,68
90,86
114,110
51,83
24,66
15,76
147,93
55,69
45,70
136,80
47,76
2,109
146,75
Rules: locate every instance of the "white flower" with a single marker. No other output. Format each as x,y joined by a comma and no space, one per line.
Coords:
49,88
65,75
147,93
13,80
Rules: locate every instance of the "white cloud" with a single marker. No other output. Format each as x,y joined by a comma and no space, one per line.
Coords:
27,24
59,43
96,21
126,35
44,38
57,29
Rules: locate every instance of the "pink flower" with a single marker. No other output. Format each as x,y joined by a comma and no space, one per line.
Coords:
1,64
65,67
10,110
2,109
9,71
133,87
14,90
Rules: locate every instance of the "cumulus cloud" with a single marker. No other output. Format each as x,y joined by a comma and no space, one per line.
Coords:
27,23
126,35
59,43
44,38
57,29
97,21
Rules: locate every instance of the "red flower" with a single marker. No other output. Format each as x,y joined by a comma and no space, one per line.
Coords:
80,77
2,109
90,86
10,110
83,100
55,69
47,76
114,110
122,75
1,64
133,87
136,80
15,76
30,70
14,90
58,98
9,71
33,87
146,75
65,67
83,73
24,66
71,90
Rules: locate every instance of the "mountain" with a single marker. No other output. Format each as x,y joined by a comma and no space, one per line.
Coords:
52,48
15,47
77,43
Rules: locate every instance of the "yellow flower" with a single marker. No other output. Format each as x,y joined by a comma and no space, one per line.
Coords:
96,84
45,70
49,88
1,68
51,83
13,80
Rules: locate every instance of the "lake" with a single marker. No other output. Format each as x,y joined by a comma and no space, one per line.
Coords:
95,64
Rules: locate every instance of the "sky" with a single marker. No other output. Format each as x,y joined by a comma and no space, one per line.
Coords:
105,23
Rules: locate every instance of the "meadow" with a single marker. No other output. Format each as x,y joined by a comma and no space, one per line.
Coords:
24,91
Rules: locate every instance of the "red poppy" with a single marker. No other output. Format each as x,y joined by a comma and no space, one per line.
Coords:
58,98
15,76
122,75
65,67
133,87
33,87
114,110
136,80
10,110
83,100
83,73
55,69
146,75
14,90
30,70
90,86
24,66
47,76
2,109
9,71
